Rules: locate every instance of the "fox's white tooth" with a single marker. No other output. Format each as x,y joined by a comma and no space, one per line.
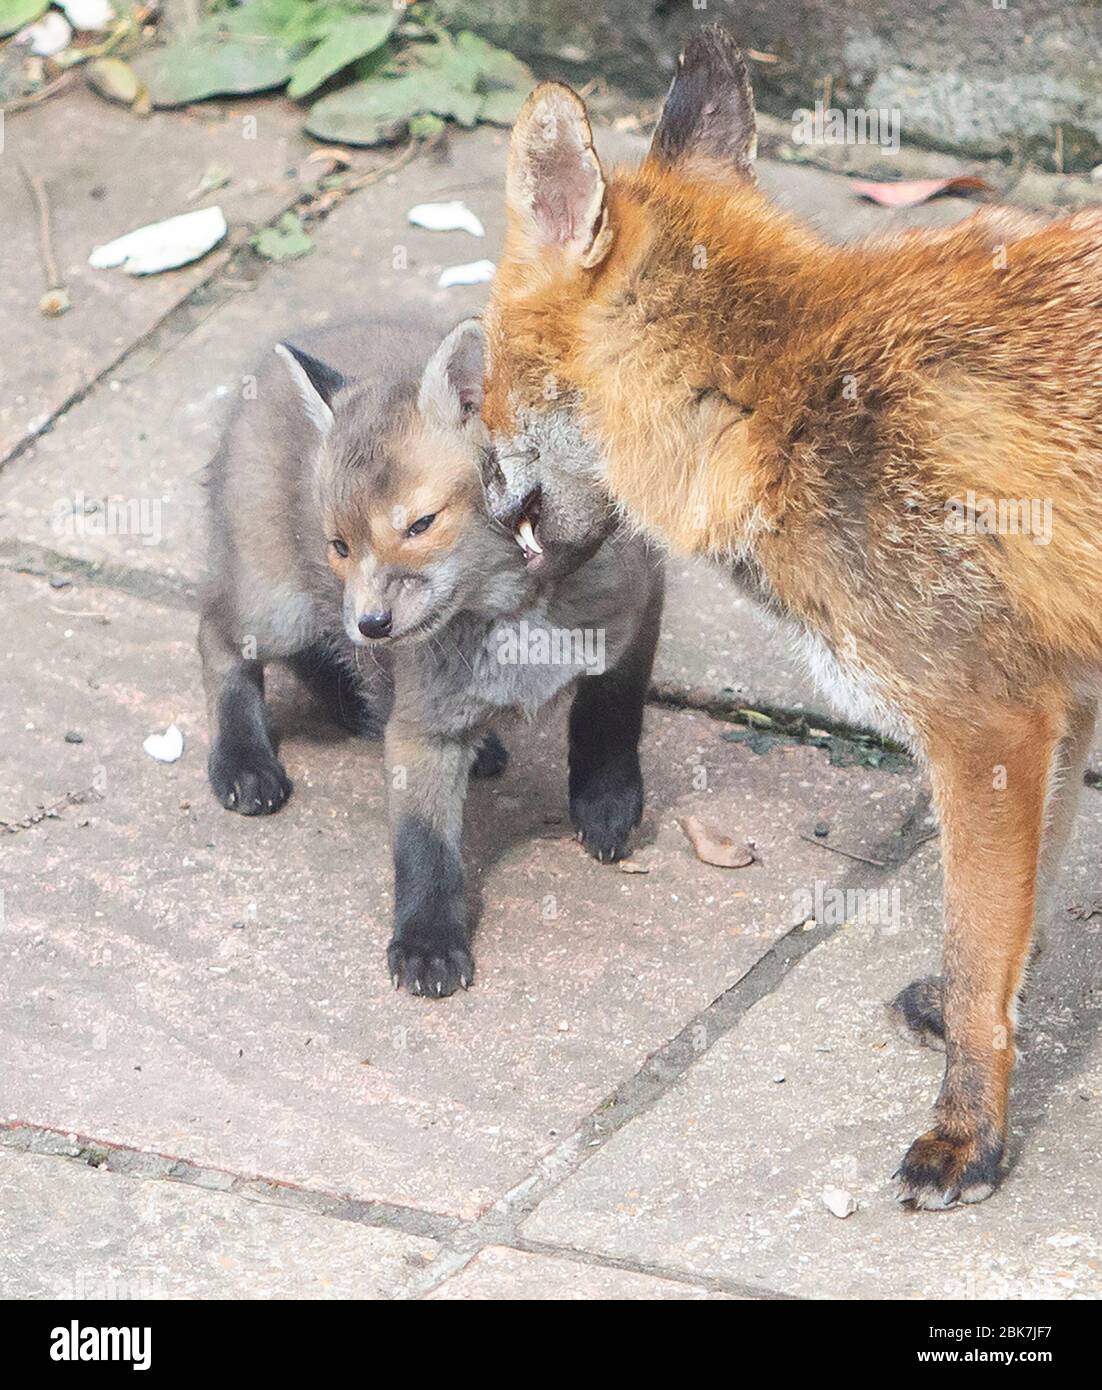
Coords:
526,538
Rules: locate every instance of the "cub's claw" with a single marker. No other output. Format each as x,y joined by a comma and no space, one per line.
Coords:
432,968
248,780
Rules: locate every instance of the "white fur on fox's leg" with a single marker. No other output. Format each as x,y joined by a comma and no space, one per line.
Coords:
526,538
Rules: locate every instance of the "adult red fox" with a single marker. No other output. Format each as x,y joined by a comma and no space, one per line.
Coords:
897,447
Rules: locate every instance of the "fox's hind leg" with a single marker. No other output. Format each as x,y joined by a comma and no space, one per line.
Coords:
991,780
358,700
244,768
918,1009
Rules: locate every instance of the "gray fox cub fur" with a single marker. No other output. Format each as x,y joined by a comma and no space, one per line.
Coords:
349,538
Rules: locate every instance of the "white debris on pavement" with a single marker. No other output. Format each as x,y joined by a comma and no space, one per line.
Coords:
839,1202
50,35
163,245
166,747
474,273
446,217
88,15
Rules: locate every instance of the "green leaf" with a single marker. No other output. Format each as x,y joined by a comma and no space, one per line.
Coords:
14,14
501,108
285,241
497,68
425,126
351,38
114,79
312,20
208,66
370,112
270,18
231,53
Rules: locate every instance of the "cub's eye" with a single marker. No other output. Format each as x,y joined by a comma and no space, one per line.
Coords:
340,547
421,525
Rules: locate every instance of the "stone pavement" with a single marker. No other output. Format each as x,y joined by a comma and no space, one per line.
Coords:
209,1088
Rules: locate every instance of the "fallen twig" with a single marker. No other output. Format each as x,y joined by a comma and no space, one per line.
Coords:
848,854
56,300
13,827
43,94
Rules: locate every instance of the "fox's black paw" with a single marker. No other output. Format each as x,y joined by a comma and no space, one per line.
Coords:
941,1170
917,1012
247,779
428,964
491,757
606,811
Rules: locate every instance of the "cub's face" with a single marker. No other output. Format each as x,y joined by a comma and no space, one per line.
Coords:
402,545
398,488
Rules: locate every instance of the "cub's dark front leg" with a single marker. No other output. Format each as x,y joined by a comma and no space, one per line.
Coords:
606,721
244,768
429,952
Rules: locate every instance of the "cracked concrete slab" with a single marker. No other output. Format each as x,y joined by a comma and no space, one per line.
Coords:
503,1275
88,152
180,978
814,1090
70,1232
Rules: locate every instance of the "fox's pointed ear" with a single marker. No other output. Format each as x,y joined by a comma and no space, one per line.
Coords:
555,188
451,386
317,384
707,120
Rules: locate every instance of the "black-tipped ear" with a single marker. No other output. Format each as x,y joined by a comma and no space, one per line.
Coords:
317,383
708,116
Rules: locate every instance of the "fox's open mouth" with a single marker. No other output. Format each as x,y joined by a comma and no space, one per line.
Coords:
526,528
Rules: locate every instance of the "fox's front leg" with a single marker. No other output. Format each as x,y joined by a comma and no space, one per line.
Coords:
990,783
430,949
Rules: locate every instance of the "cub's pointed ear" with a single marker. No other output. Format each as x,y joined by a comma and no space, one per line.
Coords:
707,122
451,385
555,188
317,384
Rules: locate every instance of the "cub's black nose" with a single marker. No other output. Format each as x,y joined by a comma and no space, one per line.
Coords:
376,624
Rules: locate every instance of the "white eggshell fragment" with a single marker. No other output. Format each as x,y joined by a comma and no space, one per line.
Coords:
474,273
446,217
166,747
163,245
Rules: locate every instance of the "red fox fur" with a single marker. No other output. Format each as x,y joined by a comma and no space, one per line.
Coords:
831,423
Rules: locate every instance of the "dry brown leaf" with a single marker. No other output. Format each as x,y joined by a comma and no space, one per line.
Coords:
711,846
908,193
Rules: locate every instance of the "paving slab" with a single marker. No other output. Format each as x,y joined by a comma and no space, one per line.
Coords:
212,987
107,172
814,1090
71,1232
515,1276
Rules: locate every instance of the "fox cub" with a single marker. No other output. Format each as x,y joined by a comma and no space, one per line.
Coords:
835,426
349,538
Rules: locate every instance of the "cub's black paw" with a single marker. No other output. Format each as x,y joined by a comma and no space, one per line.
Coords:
424,962
247,779
606,810
942,1169
917,1013
491,758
